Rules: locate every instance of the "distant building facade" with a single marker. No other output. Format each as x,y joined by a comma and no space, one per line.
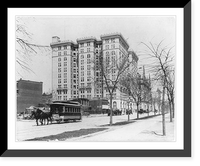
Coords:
76,67
29,93
46,99
146,93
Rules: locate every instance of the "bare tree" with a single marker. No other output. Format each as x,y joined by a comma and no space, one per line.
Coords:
171,91
163,61
131,85
25,48
111,69
158,100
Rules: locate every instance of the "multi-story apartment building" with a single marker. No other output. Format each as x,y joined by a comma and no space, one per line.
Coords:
64,69
76,69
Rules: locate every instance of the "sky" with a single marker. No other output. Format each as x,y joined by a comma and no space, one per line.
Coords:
135,29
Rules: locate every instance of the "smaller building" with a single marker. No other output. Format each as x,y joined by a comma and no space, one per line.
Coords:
46,99
85,104
29,93
99,105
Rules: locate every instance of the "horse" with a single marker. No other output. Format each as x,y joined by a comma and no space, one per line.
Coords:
40,115
47,116
37,115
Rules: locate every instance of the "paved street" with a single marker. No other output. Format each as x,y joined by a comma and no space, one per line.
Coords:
27,129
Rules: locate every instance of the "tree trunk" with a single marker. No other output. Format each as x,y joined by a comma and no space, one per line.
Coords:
170,111
163,111
111,110
170,108
128,112
128,116
154,107
159,108
173,107
137,111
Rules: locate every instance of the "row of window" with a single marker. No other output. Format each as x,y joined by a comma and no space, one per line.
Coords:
88,61
64,80
83,79
86,50
60,76
60,64
60,92
85,44
72,110
60,59
64,47
59,82
88,84
107,47
89,56
59,70
60,53
113,96
82,56
110,40
112,53
83,91
84,96
88,67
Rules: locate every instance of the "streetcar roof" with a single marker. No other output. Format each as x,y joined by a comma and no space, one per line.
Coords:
65,104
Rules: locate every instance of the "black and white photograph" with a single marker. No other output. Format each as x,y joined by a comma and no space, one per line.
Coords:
96,78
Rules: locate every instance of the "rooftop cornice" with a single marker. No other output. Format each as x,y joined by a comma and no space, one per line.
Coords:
63,42
116,34
91,38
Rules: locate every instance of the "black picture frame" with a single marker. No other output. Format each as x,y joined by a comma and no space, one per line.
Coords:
186,152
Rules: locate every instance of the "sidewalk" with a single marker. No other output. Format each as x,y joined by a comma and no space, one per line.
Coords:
140,130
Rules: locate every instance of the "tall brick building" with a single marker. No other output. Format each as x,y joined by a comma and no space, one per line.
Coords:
29,93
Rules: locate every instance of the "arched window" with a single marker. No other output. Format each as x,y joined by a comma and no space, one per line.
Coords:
114,105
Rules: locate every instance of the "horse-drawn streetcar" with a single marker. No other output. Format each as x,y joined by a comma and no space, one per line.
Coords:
65,111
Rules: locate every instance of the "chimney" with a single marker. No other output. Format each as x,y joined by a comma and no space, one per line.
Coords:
55,39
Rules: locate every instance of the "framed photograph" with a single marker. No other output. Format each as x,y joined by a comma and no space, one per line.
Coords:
98,82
